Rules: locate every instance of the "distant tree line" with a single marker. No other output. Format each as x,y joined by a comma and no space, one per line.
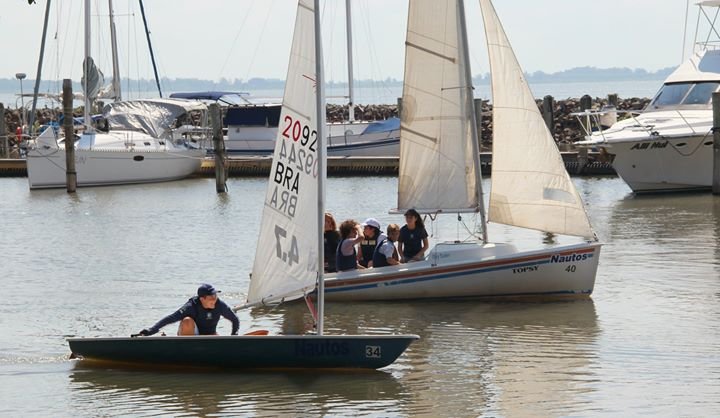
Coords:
579,74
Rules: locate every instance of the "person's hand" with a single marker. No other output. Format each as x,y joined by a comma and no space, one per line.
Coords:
142,333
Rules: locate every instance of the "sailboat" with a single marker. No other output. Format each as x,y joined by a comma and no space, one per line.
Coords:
289,261
440,173
143,143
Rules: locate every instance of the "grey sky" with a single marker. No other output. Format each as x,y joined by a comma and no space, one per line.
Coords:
240,39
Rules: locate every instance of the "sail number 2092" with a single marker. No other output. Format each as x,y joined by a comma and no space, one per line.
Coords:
299,132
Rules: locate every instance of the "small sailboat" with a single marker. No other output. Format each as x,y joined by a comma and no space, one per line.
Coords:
440,173
289,261
142,142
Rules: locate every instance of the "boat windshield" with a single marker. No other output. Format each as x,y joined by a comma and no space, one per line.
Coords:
679,95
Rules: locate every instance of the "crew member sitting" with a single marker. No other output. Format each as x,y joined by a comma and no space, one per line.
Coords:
373,237
385,253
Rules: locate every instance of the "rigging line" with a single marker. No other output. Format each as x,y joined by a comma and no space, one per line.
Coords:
373,57
234,42
257,46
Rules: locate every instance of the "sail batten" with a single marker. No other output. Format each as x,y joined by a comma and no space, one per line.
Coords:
287,254
437,171
530,185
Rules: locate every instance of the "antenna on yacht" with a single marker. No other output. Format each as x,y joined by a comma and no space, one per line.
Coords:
684,45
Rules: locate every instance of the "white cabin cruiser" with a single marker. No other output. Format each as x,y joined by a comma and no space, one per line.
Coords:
668,146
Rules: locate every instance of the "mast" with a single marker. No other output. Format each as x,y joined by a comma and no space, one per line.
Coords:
39,68
116,66
348,36
470,105
320,117
152,55
86,113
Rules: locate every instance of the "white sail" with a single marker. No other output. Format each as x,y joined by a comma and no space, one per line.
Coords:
286,258
437,167
530,185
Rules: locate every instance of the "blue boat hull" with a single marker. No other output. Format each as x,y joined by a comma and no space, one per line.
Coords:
247,352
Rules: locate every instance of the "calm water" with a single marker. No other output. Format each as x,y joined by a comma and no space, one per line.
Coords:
110,261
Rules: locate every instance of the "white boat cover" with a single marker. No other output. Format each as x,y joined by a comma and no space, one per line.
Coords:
155,117
437,170
286,258
701,66
530,185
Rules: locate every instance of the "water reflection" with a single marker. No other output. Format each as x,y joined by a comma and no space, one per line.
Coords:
105,391
514,359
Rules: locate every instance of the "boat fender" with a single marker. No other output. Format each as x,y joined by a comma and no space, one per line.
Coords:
18,134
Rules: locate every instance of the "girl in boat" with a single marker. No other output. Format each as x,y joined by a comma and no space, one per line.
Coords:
331,238
351,234
413,240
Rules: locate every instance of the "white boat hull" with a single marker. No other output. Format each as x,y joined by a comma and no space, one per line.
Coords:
467,270
260,141
652,165
46,168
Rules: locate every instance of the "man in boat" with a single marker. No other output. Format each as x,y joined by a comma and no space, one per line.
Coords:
385,253
373,237
198,316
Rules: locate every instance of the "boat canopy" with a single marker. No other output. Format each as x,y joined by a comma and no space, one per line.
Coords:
709,3
388,125
152,116
702,66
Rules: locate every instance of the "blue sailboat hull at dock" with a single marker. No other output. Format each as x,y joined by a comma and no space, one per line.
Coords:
246,352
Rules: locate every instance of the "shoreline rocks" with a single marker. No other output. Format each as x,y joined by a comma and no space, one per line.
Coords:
566,129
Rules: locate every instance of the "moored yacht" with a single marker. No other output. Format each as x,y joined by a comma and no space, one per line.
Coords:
668,146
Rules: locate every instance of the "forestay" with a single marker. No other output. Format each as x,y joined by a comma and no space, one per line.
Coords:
437,168
286,257
530,185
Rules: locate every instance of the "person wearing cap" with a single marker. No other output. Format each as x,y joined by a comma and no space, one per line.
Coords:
373,237
198,316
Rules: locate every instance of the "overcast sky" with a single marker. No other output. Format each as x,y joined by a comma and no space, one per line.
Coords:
241,39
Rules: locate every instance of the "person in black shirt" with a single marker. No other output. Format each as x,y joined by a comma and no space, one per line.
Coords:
332,238
198,316
413,240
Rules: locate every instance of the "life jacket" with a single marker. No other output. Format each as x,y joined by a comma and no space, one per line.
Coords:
345,262
379,259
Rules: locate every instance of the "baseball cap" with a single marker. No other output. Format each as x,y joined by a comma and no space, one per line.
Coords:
207,290
371,222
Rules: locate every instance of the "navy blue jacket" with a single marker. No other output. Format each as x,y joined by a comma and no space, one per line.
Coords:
205,319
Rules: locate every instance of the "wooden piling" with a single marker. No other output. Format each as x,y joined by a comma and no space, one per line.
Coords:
613,100
716,142
219,146
5,151
582,158
548,113
70,173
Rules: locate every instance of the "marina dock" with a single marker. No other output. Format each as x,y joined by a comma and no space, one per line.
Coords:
341,166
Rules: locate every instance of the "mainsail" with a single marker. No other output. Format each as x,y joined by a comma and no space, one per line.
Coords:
286,258
530,185
438,170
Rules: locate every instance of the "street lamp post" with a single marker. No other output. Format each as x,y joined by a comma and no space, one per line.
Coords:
21,77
